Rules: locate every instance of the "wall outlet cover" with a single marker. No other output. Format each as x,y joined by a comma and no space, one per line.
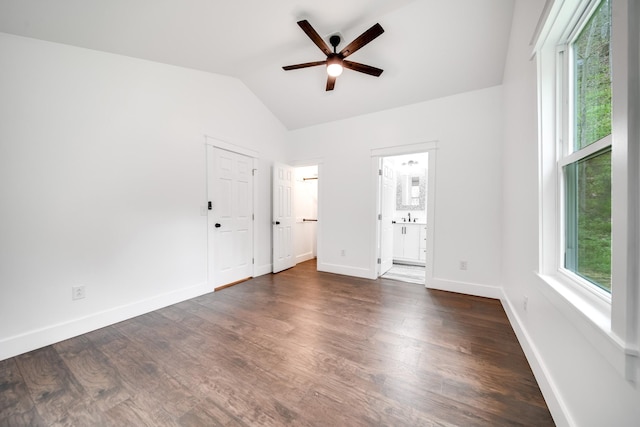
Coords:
77,292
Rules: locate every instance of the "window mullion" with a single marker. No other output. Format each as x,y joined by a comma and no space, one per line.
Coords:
586,152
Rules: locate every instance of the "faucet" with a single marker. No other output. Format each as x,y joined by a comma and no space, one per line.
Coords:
409,214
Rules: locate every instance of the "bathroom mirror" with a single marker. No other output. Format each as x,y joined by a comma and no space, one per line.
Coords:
411,191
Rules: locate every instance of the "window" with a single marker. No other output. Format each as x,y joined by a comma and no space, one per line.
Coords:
587,174
587,53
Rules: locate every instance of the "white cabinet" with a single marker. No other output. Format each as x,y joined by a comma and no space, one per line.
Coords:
409,242
423,243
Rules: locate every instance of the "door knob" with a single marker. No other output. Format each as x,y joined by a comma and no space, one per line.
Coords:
218,225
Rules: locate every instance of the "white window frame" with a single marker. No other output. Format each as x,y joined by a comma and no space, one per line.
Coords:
567,154
611,322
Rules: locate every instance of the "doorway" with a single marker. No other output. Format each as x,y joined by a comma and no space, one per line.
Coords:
230,173
306,212
405,238
295,215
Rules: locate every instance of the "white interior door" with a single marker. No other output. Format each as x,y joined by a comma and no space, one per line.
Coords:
230,219
387,208
283,218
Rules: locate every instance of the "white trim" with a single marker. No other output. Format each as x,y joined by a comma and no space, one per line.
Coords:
320,223
377,164
346,270
591,323
308,162
431,148
319,162
540,24
261,270
431,213
254,200
553,398
304,257
31,340
587,151
612,328
625,320
467,288
397,150
219,143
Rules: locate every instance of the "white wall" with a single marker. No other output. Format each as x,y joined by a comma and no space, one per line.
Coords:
581,388
468,130
102,177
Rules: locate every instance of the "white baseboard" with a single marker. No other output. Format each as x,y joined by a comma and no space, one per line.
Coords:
32,340
549,390
475,289
346,270
304,257
261,270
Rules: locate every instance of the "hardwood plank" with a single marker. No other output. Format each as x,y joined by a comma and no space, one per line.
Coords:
208,414
14,396
299,348
29,418
51,385
152,389
93,370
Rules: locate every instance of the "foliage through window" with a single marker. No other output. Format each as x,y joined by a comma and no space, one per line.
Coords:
587,174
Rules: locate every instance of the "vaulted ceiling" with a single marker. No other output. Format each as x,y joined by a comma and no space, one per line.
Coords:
430,48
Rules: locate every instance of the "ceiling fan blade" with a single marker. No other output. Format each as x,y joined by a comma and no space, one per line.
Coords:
305,65
314,36
331,82
367,69
362,40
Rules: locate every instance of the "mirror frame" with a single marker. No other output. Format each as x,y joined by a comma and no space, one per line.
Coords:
423,191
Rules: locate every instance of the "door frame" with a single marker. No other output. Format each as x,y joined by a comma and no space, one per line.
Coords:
377,154
254,155
381,216
319,163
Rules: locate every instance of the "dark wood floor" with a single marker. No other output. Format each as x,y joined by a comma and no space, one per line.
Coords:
299,348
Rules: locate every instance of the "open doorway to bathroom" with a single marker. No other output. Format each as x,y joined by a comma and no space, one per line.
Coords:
404,186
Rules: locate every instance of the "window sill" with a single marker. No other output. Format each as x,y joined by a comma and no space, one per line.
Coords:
592,317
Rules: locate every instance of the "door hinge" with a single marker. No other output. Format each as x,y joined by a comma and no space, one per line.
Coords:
253,260
379,261
253,217
209,207
253,172
379,216
380,172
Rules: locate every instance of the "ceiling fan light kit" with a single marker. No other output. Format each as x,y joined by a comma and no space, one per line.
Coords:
335,61
334,66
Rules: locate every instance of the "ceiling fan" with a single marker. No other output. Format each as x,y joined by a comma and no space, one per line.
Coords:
336,61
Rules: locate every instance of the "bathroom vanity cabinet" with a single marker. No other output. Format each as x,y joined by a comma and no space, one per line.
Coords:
409,242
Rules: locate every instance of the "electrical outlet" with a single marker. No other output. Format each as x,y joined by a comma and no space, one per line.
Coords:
525,303
463,265
77,292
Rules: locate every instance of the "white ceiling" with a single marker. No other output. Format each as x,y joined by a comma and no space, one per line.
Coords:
430,48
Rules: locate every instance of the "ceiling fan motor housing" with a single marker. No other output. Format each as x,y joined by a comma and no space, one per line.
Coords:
335,41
